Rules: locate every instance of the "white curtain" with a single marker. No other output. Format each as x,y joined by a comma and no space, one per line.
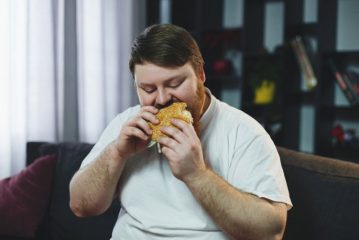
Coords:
104,48
63,70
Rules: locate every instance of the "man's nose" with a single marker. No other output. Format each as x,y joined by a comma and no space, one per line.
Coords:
163,98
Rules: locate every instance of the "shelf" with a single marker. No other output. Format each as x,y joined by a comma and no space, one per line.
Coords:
253,57
262,109
217,83
266,1
292,104
306,29
219,38
350,113
225,80
300,98
352,56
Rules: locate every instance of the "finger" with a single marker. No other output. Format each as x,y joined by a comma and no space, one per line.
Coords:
167,142
185,127
149,117
174,133
135,132
168,152
150,109
140,123
143,125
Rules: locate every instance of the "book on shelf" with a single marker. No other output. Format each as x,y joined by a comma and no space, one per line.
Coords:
301,53
352,71
346,83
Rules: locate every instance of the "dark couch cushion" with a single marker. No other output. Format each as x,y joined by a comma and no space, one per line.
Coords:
63,224
325,195
24,198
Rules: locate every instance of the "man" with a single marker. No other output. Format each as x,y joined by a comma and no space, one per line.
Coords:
218,179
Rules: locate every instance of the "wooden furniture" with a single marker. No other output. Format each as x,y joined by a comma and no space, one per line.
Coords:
297,118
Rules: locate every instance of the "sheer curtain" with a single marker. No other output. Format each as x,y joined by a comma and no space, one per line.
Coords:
63,70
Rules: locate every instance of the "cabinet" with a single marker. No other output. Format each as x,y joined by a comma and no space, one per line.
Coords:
257,44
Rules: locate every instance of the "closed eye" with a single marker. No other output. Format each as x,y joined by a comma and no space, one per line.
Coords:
175,84
149,90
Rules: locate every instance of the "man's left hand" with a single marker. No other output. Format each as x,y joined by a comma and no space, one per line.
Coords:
183,150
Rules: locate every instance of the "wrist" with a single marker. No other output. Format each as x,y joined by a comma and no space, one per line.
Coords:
118,150
115,155
197,176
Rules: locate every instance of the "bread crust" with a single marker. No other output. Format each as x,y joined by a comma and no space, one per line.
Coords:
165,115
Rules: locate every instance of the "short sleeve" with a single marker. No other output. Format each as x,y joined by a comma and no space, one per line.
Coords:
110,133
256,168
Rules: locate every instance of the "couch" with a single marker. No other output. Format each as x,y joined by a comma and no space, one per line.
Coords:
324,191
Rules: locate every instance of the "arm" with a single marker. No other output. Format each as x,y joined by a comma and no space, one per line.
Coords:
93,187
239,214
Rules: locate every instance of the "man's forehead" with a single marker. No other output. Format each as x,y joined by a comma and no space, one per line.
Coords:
147,73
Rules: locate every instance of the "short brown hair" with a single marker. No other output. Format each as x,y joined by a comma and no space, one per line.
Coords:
166,45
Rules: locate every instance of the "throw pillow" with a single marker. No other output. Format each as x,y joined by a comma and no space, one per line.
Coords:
24,198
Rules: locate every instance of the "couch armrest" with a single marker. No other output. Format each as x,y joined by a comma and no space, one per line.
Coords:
325,196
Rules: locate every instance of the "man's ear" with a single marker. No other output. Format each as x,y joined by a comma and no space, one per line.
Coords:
202,75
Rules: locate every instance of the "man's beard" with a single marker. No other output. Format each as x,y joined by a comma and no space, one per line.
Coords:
197,107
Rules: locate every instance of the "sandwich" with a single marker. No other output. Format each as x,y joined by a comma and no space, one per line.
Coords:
165,115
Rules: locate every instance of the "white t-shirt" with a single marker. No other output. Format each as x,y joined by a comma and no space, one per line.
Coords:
156,205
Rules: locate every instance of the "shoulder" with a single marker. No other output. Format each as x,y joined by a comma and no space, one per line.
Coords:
236,120
126,115
130,112
110,133
113,128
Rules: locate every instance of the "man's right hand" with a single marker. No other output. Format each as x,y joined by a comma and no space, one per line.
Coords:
135,134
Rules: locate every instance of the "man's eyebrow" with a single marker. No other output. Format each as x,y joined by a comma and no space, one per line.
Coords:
178,77
142,84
